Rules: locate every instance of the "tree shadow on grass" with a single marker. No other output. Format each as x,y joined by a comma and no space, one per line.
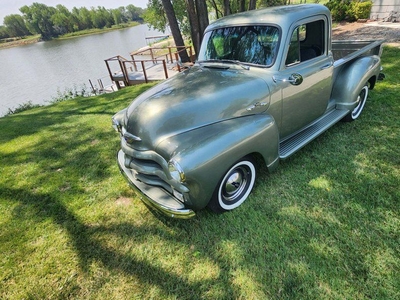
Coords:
89,250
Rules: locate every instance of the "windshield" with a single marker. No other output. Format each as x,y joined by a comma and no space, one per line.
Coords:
248,44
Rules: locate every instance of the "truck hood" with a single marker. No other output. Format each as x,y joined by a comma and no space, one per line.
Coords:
197,97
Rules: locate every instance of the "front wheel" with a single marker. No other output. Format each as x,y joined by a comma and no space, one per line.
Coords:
362,98
234,187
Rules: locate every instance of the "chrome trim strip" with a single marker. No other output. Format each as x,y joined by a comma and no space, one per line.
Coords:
130,138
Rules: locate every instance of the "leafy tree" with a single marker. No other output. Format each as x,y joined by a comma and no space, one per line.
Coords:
155,15
3,32
63,20
50,22
134,13
101,17
15,25
118,16
38,19
83,16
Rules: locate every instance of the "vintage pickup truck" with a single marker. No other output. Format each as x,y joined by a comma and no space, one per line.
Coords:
266,83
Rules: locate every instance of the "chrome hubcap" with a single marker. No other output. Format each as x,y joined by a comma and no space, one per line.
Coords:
235,184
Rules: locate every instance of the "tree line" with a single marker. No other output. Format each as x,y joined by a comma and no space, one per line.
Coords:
51,22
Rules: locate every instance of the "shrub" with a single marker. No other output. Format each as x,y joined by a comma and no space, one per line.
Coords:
361,10
22,107
71,93
349,10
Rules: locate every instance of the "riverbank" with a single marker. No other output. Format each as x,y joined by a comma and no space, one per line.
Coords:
37,38
20,42
96,31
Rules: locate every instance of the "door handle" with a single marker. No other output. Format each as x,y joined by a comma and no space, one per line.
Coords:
326,66
294,79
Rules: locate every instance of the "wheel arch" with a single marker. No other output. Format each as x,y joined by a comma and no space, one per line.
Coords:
352,79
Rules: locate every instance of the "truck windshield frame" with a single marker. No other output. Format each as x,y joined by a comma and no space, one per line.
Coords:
253,44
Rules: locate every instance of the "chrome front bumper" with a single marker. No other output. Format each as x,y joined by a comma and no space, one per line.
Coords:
154,197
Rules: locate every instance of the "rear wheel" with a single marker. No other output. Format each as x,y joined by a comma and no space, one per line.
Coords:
362,98
235,186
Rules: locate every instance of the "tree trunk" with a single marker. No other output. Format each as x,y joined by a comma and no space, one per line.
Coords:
176,33
202,16
242,5
227,8
252,4
198,19
194,25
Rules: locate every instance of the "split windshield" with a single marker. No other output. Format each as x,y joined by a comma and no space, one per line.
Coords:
256,45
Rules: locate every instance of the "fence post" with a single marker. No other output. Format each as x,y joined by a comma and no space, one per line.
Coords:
191,53
91,84
165,69
144,72
170,54
177,61
134,62
152,54
109,70
125,73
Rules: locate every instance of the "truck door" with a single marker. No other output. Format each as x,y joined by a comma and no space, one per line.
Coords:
306,76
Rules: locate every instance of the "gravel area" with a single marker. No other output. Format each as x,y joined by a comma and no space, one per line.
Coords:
390,32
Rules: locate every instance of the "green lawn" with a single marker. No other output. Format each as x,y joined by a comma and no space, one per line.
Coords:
326,225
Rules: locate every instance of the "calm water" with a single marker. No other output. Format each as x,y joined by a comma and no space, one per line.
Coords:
39,71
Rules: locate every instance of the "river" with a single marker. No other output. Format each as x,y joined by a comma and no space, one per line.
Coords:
38,72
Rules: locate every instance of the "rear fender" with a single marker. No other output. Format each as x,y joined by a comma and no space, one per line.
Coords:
352,78
206,153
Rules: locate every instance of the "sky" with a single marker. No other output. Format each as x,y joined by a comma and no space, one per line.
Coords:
8,7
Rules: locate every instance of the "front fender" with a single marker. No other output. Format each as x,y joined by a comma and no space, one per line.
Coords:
206,153
352,78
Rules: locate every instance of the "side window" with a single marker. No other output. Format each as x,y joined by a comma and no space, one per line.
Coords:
293,56
307,42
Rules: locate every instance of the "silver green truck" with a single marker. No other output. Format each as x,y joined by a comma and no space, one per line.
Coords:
266,83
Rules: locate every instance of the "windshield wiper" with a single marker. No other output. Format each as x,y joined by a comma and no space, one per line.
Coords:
229,61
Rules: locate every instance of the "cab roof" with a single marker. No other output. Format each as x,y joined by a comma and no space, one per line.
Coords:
280,15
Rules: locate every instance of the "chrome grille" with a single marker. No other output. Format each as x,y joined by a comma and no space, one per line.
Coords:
151,168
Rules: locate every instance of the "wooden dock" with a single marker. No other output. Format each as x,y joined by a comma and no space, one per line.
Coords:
146,65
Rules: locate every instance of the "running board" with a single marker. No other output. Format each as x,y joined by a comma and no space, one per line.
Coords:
299,140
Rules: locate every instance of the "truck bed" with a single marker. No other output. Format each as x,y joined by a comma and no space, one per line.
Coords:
344,51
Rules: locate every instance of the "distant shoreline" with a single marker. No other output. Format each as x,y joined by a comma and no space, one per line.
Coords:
32,39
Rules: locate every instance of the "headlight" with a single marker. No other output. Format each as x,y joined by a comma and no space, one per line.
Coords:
118,120
176,171
116,125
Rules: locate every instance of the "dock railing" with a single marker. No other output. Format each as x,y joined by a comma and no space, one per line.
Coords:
119,74
173,53
129,71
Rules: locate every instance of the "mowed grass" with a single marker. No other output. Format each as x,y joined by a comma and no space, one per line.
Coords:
325,225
